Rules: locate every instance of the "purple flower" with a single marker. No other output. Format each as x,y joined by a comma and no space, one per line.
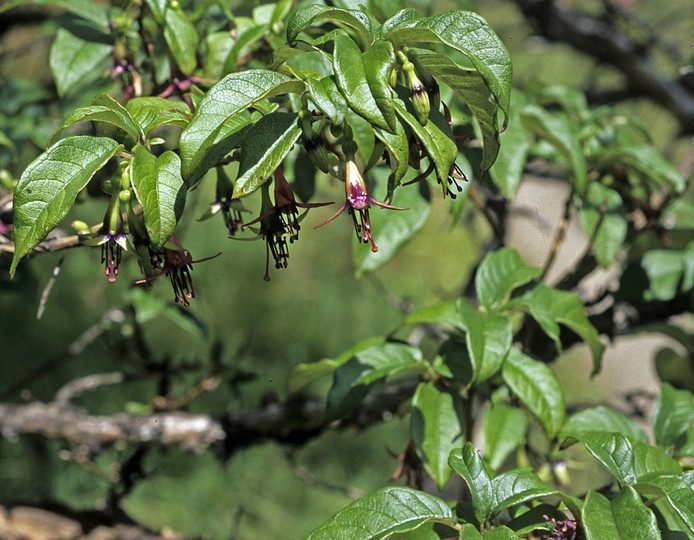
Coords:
177,264
112,246
111,237
279,222
358,203
564,529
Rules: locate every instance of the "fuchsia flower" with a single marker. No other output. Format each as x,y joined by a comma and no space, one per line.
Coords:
280,222
111,237
358,202
177,264
112,246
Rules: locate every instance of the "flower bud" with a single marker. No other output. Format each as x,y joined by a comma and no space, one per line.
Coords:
393,78
418,92
80,227
429,82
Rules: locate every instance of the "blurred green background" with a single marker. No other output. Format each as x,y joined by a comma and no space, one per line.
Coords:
315,309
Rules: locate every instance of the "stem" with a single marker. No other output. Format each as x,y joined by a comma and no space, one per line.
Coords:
560,235
487,213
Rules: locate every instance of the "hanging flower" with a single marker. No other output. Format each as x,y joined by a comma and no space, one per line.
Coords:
111,237
177,263
113,242
230,207
279,222
358,203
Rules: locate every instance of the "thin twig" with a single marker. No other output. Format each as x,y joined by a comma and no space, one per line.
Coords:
491,218
79,386
559,236
47,289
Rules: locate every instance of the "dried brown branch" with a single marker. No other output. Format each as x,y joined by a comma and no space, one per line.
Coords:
597,38
191,432
58,523
293,421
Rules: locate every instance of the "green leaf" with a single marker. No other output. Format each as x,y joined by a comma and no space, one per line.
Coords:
674,414
437,427
629,461
505,428
559,130
158,9
78,56
307,15
470,532
469,34
160,190
182,40
669,271
354,379
604,219
443,313
601,419
474,91
102,109
469,465
325,94
248,37
153,112
350,76
499,273
383,512
488,339
423,532
536,385
677,491
392,229
500,533
49,185
402,17
303,374
398,146
551,307
647,163
623,518
85,9
518,486
436,136
508,168
379,61
219,118
263,149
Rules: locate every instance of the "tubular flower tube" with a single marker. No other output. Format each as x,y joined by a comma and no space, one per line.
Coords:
357,203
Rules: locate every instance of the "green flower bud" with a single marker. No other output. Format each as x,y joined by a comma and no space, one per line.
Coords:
80,227
418,93
125,195
429,82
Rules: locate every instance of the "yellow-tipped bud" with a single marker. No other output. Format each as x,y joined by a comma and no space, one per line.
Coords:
418,93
